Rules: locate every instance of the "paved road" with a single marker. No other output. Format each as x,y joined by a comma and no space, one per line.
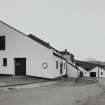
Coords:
98,99
50,94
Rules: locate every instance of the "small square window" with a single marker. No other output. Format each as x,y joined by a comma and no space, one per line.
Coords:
4,61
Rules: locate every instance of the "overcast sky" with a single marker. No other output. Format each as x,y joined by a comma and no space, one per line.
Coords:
78,25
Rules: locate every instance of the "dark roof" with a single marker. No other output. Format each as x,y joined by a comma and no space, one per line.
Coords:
73,65
46,44
39,41
59,56
88,66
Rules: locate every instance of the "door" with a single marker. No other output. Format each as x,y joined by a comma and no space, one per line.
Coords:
61,67
92,74
20,66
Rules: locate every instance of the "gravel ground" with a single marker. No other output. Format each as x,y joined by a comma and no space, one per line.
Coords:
11,80
52,93
98,99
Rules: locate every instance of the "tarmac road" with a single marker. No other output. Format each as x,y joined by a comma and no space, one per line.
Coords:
53,94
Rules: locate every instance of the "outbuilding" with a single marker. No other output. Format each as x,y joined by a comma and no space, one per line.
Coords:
97,72
84,71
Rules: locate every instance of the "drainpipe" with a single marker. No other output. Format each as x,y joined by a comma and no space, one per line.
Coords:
66,70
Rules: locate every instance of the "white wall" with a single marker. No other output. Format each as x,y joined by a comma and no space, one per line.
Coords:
72,71
85,73
17,46
56,72
100,71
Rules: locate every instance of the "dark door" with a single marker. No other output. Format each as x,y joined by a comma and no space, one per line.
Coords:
92,74
61,68
20,66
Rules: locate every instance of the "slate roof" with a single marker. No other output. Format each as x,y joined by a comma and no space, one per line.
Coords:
88,66
46,44
33,37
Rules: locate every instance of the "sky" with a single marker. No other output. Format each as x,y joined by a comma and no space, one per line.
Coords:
77,25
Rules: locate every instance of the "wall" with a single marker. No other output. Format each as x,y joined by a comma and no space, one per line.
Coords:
72,71
100,70
56,72
85,73
17,46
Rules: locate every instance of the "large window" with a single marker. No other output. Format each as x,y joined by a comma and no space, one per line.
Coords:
2,42
4,61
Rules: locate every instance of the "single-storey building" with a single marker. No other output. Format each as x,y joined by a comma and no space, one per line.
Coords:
85,72
91,69
22,54
97,72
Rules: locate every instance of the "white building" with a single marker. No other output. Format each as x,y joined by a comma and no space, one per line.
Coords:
28,55
72,70
97,72
85,72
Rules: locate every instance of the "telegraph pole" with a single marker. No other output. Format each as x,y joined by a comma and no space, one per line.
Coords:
98,70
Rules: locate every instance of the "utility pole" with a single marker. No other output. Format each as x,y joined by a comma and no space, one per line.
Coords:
98,70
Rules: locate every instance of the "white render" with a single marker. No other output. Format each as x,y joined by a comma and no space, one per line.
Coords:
18,45
99,72
85,73
72,71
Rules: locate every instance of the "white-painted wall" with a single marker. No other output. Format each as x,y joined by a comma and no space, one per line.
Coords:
56,72
100,71
85,73
17,46
72,71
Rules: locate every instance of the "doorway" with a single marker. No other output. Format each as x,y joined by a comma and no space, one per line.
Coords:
92,74
61,67
20,66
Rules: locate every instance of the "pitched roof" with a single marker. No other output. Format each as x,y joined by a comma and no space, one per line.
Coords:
85,65
46,44
73,65
88,66
34,38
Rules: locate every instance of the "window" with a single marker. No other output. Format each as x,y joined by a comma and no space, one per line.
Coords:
56,64
2,42
61,68
4,61
101,73
64,65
